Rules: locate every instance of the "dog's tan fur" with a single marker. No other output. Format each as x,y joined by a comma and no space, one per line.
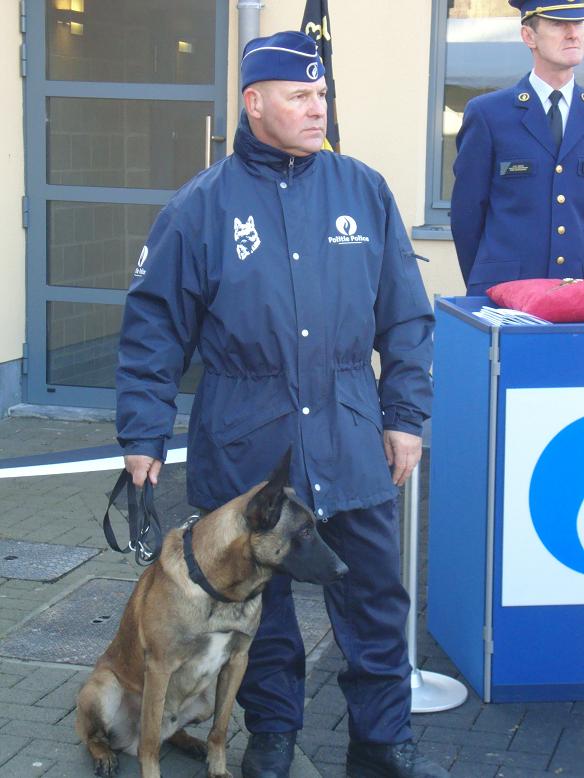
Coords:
176,645
173,642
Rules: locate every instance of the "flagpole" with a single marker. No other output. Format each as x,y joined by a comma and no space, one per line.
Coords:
316,23
431,692
248,27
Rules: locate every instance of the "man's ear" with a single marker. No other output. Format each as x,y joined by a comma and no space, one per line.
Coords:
527,36
264,509
253,101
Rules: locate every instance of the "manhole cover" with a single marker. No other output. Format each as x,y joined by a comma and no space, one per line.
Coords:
40,561
77,629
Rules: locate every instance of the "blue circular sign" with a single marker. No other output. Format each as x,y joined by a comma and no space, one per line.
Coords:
556,494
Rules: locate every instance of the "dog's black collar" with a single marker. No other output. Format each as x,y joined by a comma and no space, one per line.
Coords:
195,572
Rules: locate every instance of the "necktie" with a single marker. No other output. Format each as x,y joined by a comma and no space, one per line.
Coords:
555,118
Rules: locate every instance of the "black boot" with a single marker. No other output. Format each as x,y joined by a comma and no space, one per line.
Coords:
268,755
376,760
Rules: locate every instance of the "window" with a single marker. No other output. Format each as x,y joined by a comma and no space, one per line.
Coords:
476,48
122,100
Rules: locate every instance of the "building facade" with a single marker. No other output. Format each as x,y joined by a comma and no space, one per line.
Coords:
110,105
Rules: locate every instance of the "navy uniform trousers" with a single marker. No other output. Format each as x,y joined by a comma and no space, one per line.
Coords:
368,611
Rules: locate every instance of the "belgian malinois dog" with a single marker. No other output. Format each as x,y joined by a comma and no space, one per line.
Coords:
177,644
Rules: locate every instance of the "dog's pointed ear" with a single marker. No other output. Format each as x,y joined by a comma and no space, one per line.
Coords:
264,508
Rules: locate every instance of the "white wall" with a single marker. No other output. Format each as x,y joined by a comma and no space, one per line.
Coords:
12,304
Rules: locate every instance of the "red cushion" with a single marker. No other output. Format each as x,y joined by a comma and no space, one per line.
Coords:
553,299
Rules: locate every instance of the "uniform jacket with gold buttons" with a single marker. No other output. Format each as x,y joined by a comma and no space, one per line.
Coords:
285,273
518,203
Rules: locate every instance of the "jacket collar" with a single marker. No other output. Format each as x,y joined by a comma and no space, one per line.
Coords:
575,124
535,120
266,160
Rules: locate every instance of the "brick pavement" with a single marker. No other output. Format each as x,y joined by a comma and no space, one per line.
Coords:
37,736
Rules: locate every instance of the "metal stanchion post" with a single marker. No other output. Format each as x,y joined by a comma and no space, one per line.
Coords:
431,692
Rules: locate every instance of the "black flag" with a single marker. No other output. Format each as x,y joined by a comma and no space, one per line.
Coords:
316,23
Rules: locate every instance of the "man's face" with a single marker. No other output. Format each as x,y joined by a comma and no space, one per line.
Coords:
556,45
290,115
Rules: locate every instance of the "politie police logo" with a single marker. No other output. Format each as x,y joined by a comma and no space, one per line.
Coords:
543,521
347,232
312,71
246,237
346,225
140,271
556,496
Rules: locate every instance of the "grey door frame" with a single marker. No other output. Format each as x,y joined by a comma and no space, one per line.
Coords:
38,192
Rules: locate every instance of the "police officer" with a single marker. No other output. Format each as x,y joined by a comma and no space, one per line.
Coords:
518,198
286,265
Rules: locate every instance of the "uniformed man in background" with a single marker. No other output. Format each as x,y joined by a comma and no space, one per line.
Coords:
518,198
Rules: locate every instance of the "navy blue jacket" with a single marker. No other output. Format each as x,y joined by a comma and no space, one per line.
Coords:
518,204
285,273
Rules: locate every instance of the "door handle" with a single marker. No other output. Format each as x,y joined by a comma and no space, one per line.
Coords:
210,138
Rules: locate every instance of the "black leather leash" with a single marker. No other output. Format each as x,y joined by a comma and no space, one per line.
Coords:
142,521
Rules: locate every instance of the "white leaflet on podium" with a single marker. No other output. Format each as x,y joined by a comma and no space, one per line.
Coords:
500,316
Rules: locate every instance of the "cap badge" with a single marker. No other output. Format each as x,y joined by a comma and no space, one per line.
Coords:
582,95
524,97
312,71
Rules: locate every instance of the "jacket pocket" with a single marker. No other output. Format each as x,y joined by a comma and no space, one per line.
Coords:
240,406
249,425
360,407
486,272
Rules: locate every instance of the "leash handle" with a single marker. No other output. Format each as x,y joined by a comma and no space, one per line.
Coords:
142,521
151,550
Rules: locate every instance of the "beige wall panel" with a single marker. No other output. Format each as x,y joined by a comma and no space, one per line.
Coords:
441,275
232,74
12,298
381,75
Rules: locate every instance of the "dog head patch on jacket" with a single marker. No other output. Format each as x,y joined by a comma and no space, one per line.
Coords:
246,237
284,534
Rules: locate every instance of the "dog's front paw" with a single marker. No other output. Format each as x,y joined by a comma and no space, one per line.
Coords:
107,766
226,774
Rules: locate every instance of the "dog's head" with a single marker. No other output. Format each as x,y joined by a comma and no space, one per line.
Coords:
284,534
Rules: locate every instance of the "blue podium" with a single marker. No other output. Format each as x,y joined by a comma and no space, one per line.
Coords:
506,538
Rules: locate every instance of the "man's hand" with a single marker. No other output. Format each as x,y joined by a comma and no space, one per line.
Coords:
403,451
141,467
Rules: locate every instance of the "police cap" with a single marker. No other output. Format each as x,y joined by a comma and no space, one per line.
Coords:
568,10
285,56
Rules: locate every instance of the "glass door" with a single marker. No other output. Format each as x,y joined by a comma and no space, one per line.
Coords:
118,99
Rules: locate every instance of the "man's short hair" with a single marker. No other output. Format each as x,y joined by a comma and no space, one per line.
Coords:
532,22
